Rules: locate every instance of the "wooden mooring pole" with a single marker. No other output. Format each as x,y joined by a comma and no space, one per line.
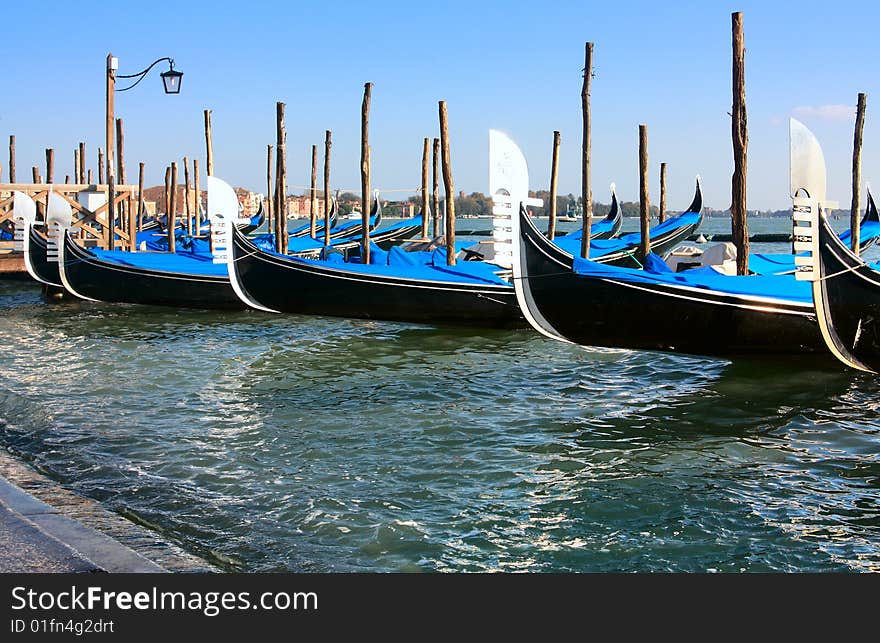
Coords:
140,206
280,182
50,165
120,173
12,158
197,204
186,195
448,185
857,174
586,188
426,151
365,172
738,213
313,195
644,199
172,210
270,209
82,162
554,175
100,166
76,176
662,192
209,144
435,188
167,203
327,145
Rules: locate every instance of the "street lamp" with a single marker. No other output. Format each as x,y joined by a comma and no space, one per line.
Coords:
171,81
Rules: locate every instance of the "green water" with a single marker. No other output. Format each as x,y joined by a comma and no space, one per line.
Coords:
288,443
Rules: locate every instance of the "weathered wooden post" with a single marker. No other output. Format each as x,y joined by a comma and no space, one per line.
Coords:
327,144
554,175
120,152
448,185
435,188
425,152
270,211
172,210
857,174
89,176
198,200
281,182
644,200
167,203
50,165
365,172
82,163
76,177
209,144
140,206
586,188
12,158
186,195
101,167
109,142
662,192
120,172
313,195
66,176
738,213
35,171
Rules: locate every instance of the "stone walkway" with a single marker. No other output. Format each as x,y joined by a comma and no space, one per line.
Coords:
47,528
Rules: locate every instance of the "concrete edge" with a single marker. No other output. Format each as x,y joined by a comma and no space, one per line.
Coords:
98,548
108,540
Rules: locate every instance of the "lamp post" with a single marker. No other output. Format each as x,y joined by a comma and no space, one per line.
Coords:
171,81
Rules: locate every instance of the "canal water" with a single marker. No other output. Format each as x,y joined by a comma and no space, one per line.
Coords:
287,443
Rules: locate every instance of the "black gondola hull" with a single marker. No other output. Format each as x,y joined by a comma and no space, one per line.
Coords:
90,277
289,286
43,270
604,312
847,298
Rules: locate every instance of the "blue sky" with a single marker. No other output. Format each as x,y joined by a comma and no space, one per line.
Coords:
505,65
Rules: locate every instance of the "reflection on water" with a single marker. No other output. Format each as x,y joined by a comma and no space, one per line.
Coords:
289,443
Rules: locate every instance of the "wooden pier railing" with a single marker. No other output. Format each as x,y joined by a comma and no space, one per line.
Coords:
91,226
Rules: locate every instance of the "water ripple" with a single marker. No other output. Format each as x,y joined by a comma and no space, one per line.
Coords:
275,443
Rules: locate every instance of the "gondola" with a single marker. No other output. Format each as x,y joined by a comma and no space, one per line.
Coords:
32,244
584,302
385,238
305,229
783,263
604,228
623,250
163,279
468,294
845,290
254,222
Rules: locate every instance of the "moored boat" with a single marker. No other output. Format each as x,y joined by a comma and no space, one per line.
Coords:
585,302
152,278
411,287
